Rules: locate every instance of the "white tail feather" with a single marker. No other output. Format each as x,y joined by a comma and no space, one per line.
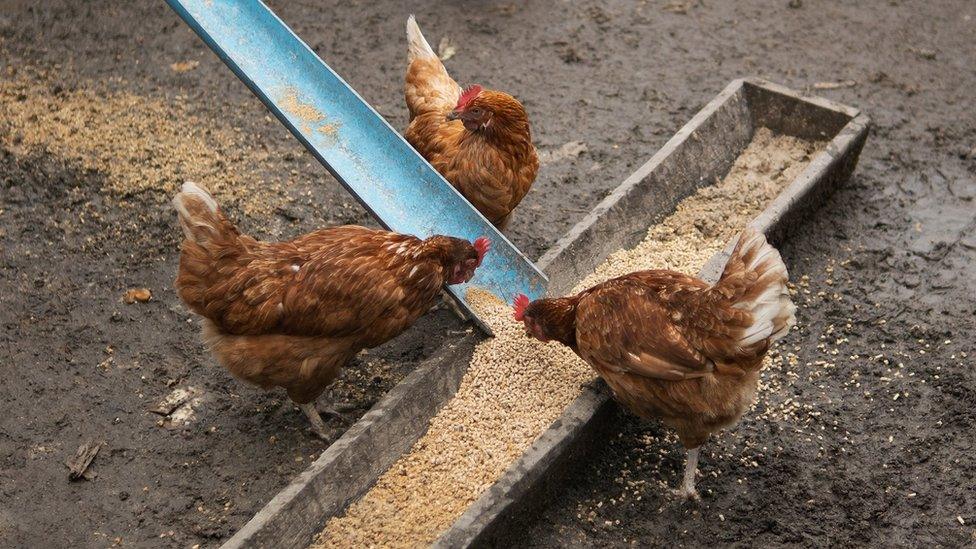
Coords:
772,310
195,228
190,188
759,331
417,46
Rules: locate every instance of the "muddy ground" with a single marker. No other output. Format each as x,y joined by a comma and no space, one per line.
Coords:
80,224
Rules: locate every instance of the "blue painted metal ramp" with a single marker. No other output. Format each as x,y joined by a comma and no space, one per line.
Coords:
351,139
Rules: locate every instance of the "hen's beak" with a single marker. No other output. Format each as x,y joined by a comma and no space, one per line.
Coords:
454,115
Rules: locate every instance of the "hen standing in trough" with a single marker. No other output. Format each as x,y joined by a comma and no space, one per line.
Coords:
478,139
674,347
291,314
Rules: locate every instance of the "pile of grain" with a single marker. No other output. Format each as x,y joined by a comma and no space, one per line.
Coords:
516,387
139,143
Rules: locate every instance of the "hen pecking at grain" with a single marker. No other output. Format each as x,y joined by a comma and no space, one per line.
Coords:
674,347
478,139
292,314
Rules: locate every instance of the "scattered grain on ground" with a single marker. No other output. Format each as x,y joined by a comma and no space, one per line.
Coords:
139,143
515,387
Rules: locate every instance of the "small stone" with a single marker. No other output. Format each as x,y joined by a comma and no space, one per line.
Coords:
137,295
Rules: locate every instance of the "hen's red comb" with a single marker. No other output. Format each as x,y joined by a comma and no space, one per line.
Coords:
482,245
521,303
467,96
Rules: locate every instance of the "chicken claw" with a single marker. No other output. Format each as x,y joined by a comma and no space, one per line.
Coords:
334,413
686,495
318,426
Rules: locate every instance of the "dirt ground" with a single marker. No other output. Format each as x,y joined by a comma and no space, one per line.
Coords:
98,128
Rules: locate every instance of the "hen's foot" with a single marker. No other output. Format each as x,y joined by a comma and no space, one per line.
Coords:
321,434
335,413
317,427
686,494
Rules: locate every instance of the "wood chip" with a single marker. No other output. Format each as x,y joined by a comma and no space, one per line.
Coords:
568,150
446,49
184,66
834,85
676,7
174,400
78,465
924,53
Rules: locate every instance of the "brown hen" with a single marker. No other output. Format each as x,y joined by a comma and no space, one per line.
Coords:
291,314
674,347
479,139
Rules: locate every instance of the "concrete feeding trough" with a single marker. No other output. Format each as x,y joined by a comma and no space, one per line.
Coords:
702,152
699,154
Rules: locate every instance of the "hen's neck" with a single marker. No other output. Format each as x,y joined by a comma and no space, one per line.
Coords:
511,136
560,319
439,249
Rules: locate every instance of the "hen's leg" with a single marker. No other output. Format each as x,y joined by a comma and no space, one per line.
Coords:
318,426
447,302
687,490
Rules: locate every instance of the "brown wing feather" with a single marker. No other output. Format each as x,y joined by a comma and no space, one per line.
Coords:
629,326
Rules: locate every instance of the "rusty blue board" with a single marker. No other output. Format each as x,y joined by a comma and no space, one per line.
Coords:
351,139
